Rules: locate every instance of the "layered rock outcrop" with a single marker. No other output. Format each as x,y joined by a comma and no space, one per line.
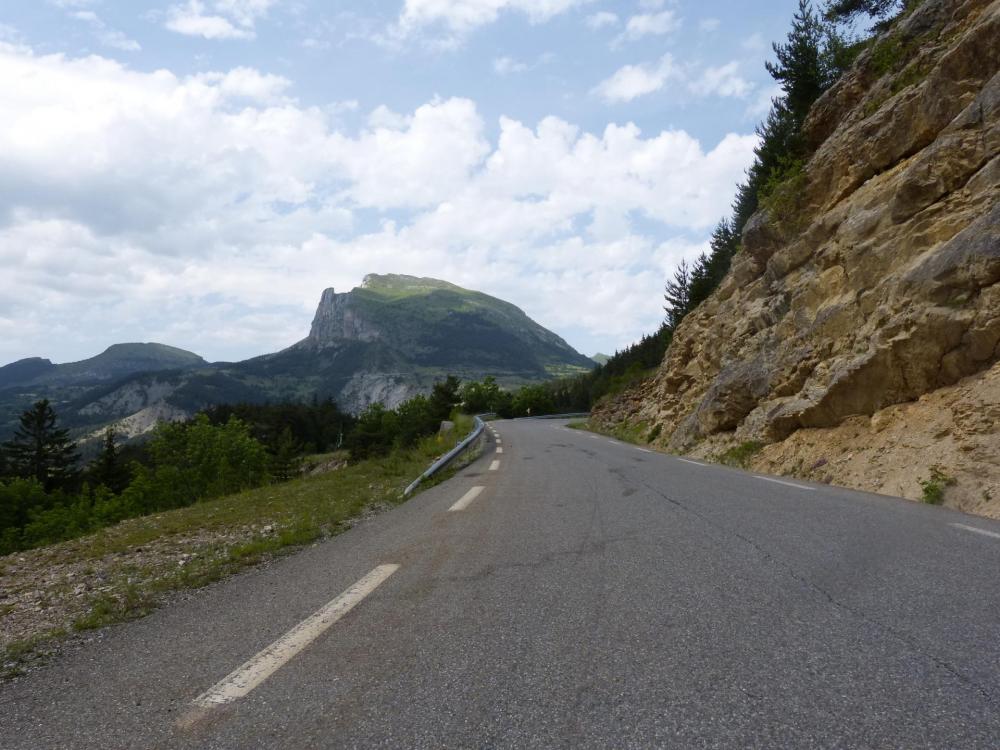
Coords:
877,280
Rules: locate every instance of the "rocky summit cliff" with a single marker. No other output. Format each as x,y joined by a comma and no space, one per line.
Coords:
856,335
386,341
390,338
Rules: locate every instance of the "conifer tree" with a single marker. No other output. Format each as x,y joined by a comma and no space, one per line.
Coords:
801,69
678,295
108,468
285,461
40,450
847,10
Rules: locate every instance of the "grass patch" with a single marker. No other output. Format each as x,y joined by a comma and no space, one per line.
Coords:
783,196
208,541
932,488
740,455
654,433
16,655
631,432
628,433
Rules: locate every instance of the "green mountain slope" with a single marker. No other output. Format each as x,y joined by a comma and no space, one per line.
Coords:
386,340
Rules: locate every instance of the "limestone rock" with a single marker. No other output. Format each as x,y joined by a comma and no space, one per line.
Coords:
886,286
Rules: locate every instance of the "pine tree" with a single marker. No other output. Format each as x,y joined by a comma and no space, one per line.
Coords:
285,461
40,450
801,69
678,295
444,397
848,10
108,468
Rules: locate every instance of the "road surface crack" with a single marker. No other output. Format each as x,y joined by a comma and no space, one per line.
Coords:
913,644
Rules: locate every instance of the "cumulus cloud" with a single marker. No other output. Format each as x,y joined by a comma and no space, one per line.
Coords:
222,19
506,65
633,81
601,19
646,24
723,80
107,36
209,211
456,18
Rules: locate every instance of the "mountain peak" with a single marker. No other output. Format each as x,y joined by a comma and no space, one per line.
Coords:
398,284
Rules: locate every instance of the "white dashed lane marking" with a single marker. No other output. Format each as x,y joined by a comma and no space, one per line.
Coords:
494,466
240,682
787,484
467,499
974,530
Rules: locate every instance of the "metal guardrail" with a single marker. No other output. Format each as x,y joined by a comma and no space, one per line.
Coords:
576,415
459,449
451,455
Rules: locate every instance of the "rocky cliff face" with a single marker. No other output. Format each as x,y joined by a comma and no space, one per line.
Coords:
337,320
875,283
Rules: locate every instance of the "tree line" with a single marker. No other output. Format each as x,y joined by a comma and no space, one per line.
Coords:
819,48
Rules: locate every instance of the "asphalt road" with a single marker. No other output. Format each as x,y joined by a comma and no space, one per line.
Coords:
591,594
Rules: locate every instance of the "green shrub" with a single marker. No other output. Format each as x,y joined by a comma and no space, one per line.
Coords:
933,488
783,196
196,461
740,455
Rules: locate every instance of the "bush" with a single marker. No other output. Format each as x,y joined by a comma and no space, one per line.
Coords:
933,488
196,461
740,455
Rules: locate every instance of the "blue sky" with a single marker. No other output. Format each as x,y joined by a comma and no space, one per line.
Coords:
196,172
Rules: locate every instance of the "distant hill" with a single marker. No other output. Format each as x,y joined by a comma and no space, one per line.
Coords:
115,362
601,359
394,335
386,341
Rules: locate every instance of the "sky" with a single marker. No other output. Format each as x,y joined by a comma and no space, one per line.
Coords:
196,172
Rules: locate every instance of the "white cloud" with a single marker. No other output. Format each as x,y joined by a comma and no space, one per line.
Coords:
601,19
209,211
223,19
761,104
507,65
754,43
459,17
723,80
632,81
708,25
107,36
646,24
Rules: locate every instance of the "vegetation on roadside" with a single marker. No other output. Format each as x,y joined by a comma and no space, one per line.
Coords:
139,561
740,455
46,498
819,48
932,488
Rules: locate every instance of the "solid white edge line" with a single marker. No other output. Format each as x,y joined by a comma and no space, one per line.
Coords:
689,461
644,450
252,673
787,484
974,530
494,466
466,499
